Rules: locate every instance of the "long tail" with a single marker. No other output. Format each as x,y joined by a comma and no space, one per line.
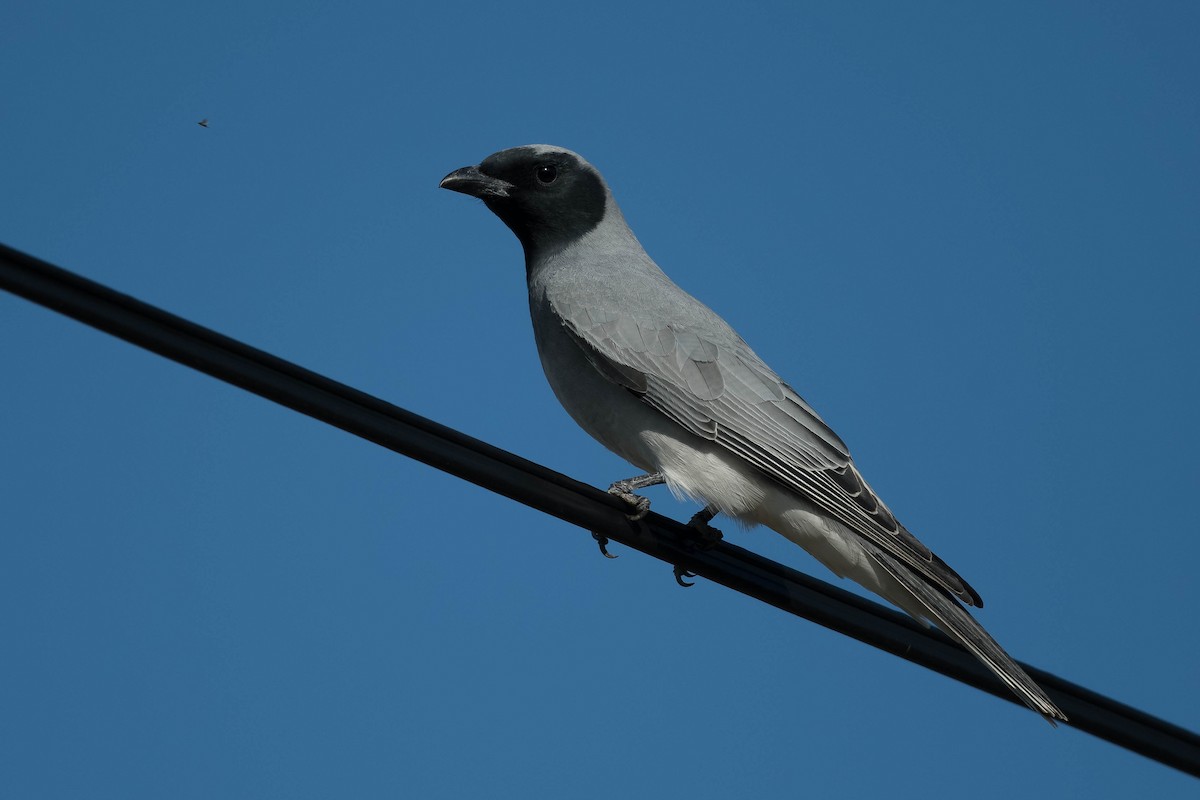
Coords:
952,618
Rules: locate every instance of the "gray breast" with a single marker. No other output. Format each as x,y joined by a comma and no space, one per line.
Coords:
611,414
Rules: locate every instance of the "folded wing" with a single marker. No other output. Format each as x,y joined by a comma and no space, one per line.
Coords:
711,383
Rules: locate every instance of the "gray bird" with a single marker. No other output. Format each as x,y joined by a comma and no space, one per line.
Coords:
658,378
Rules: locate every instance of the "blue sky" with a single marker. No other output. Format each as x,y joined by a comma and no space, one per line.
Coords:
967,235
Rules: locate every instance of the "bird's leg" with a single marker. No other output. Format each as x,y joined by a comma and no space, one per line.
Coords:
709,536
641,506
625,490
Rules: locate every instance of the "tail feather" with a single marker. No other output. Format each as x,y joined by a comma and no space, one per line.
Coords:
954,620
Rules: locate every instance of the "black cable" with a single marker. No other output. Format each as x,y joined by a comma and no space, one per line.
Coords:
570,500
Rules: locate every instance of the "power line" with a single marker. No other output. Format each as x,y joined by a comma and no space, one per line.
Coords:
549,491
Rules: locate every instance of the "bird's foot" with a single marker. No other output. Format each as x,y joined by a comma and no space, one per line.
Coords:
709,536
640,505
625,490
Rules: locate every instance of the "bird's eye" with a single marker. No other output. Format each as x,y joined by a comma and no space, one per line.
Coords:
546,174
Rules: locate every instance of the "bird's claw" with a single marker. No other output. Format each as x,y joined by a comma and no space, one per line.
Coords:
603,542
681,573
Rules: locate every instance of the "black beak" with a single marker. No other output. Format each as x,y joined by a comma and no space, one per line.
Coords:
469,180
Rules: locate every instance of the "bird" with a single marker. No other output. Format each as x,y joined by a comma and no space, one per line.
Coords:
203,123
661,380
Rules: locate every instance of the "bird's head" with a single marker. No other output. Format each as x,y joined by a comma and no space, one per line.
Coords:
548,196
